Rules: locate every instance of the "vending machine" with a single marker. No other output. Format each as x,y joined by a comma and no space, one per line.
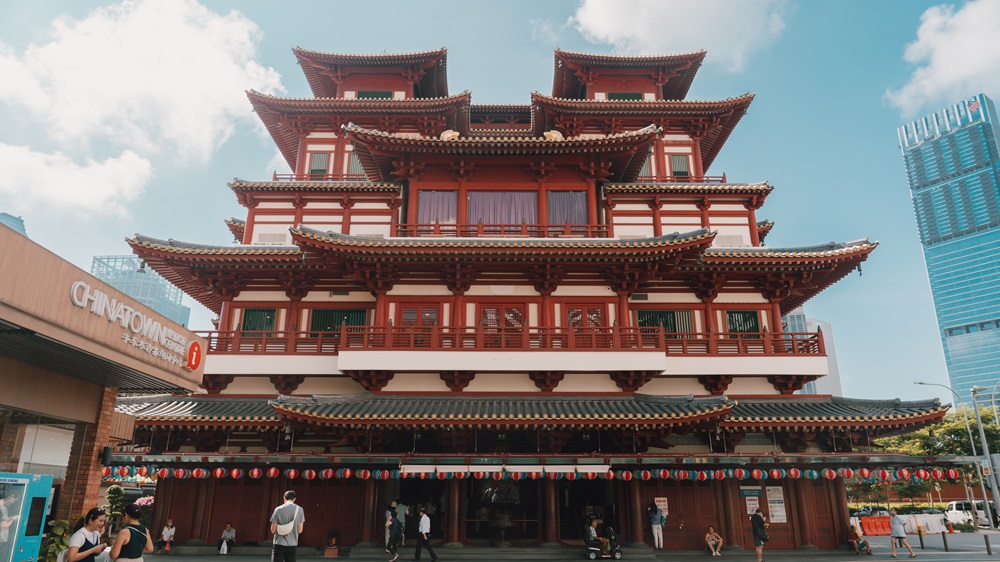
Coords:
24,503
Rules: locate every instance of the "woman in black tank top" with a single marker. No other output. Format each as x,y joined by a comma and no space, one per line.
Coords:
134,539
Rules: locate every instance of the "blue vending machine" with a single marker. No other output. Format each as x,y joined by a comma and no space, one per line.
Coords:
24,503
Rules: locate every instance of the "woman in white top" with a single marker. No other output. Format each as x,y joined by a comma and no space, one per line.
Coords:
86,544
898,527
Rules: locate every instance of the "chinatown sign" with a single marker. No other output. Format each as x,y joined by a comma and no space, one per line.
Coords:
141,331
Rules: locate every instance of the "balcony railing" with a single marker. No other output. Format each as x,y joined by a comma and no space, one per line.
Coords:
318,177
682,179
447,338
503,230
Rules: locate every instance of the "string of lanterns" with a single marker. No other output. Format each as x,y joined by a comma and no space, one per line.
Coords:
866,474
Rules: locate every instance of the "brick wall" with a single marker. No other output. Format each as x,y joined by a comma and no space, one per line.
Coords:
82,489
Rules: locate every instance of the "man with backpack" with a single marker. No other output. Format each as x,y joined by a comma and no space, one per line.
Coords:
287,522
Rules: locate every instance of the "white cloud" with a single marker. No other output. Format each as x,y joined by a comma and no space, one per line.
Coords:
54,182
730,31
956,56
276,164
154,76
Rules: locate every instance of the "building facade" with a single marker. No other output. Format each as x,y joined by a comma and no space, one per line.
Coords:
796,321
129,275
522,315
15,223
952,161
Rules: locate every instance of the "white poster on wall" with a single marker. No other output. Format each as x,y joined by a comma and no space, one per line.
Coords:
776,504
752,495
662,504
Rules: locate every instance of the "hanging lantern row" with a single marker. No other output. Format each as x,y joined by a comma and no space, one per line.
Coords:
884,475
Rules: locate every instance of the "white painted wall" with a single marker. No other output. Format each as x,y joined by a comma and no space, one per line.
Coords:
266,364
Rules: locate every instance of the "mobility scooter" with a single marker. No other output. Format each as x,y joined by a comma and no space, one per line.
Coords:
614,549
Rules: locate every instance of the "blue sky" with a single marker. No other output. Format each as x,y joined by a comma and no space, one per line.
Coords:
130,117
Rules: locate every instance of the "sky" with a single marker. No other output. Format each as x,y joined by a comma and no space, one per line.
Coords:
123,118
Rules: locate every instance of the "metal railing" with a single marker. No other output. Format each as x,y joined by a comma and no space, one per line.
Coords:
682,179
318,177
489,338
503,230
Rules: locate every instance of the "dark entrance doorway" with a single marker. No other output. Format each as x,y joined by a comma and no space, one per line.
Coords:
429,494
502,512
579,500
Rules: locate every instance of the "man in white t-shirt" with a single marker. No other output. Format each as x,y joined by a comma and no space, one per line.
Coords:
166,537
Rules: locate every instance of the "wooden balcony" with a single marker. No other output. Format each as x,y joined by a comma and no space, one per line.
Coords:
503,230
318,177
682,179
447,338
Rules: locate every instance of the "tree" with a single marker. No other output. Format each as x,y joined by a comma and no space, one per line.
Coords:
950,437
116,503
909,489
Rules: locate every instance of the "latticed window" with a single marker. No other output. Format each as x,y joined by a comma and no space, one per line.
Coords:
330,319
418,316
677,321
318,165
743,321
679,167
625,96
374,94
258,321
585,316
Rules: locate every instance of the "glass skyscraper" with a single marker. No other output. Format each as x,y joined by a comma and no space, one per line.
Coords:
129,275
952,166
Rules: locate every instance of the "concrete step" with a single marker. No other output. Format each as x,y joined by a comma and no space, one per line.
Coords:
480,553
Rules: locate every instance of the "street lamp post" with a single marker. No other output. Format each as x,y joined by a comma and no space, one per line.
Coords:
972,443
993,402
988,461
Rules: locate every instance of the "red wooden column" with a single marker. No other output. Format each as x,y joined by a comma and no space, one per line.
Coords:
656,206
454,517
550,512
636,514
732,511
699,168
841,511
368,511
804,510
251,215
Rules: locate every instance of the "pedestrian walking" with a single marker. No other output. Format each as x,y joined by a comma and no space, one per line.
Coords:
656,521
287,522
402,510
897,527
424,535
759,525
130,545
392,528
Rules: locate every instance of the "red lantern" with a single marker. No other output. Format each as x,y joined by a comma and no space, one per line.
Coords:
937,474
645,475
846,472
291,474
327,473
180,474
921,473
625,475
255,473
535,475
952,474
794,473
516,475
757,474
775,474
106,471
308,474
273,472
236,474
865,473
123,472
220,472
663,474
479,475
142,471
701,476
164,473
590,475
363,474
829,474
719,475
883,474
741,473
682,475
609,475
903,474
459,475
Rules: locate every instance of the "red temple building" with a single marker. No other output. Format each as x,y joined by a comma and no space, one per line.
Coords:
525,315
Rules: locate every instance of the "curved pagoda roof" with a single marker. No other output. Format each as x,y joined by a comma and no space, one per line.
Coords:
378,150
247,190
238,227
363,409
884,417
711,122
761,188
676,72
324,71
287,119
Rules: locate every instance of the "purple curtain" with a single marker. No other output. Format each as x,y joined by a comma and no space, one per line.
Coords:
567,207
503,207
437,207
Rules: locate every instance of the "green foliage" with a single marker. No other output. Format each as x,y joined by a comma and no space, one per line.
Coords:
950,437
57,540
908,489
965,527
116,504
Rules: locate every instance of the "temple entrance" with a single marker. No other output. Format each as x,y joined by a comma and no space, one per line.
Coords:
502,512
429,494
579,500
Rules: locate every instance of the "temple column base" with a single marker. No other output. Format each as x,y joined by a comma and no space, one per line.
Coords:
550,545
452,545
807,547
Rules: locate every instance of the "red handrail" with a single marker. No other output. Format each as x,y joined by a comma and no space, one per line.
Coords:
487,338
503,230
683,179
